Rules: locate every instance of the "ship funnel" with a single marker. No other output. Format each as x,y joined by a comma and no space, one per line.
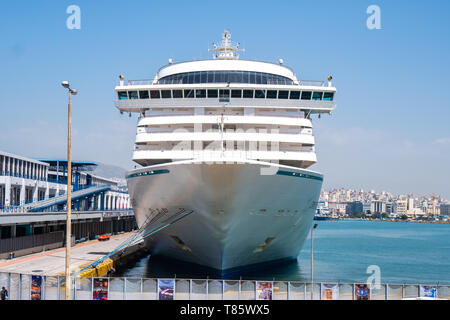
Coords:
121,77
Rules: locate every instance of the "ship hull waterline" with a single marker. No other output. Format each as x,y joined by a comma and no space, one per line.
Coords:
224,216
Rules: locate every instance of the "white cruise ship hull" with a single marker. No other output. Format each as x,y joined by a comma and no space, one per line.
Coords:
224,216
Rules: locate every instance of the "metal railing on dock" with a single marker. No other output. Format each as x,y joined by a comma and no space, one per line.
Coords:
36,287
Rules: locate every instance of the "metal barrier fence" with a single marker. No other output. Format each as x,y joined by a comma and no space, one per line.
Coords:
36,287
26,242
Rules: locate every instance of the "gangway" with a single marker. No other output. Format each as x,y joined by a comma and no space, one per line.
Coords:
60,200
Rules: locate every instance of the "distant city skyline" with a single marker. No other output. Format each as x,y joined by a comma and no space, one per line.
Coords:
389,130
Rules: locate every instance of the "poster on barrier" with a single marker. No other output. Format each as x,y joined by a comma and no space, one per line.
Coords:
329,291
263,290
362,292
166,289
36,287
100,291
428,291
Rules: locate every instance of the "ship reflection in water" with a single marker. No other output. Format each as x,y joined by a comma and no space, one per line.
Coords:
146,266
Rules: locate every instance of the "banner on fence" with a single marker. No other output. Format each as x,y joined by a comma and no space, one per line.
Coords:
36,287
428,291
329,291
166,289
263,290
100,290
362,292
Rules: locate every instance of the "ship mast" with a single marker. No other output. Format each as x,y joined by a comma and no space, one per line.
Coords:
226,50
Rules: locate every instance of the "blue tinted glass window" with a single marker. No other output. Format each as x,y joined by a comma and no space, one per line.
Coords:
317,95
306,95
143,94
212,93
295,95
258,78
328,96
236,93
189,93
122,95
200,93
248,94
283,94
260,94
154,94
132,94
165,94
190,78
245,77
196,77
271,94
225,76
177,93
210,76
203,77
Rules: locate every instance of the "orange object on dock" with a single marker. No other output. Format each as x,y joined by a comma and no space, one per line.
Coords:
103,237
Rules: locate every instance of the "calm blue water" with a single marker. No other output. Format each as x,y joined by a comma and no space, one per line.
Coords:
405,253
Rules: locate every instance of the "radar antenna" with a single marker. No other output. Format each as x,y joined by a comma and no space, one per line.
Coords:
226,50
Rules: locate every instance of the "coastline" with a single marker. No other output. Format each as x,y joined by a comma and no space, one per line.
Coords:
385,220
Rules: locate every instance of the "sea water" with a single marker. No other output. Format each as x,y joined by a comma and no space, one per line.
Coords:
404,252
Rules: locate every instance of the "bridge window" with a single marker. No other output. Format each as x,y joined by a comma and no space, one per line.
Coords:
132,94
143,94
189,93
295,95
260,94
236,93
306,95
200,93
122,95
271,94
248,93
317,95
166,94
283,94
154,94
212,93
177,93
328,96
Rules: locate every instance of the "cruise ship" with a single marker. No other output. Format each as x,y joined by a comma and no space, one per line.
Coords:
223,146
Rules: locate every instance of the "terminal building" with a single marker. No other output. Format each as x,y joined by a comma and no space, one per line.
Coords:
26,183
33,204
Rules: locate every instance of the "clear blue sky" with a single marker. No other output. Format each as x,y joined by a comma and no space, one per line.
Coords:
390,130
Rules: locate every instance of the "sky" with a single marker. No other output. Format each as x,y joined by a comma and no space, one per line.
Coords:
390,130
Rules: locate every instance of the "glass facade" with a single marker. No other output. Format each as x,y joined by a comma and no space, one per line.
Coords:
226,93
224,77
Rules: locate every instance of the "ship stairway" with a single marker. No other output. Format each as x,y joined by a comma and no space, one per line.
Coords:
149,228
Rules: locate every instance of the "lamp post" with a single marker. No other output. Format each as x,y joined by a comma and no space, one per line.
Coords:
312,259
65,84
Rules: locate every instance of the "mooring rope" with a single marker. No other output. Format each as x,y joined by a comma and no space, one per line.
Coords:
141,234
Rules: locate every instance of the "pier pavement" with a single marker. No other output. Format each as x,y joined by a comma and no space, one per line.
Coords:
52,262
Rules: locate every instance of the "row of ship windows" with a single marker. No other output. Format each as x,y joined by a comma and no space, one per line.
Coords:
226,93
225,76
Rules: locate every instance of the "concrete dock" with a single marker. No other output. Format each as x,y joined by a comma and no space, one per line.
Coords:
52,262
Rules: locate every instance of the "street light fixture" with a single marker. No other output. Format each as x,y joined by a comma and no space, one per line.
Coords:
312,259
66,85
